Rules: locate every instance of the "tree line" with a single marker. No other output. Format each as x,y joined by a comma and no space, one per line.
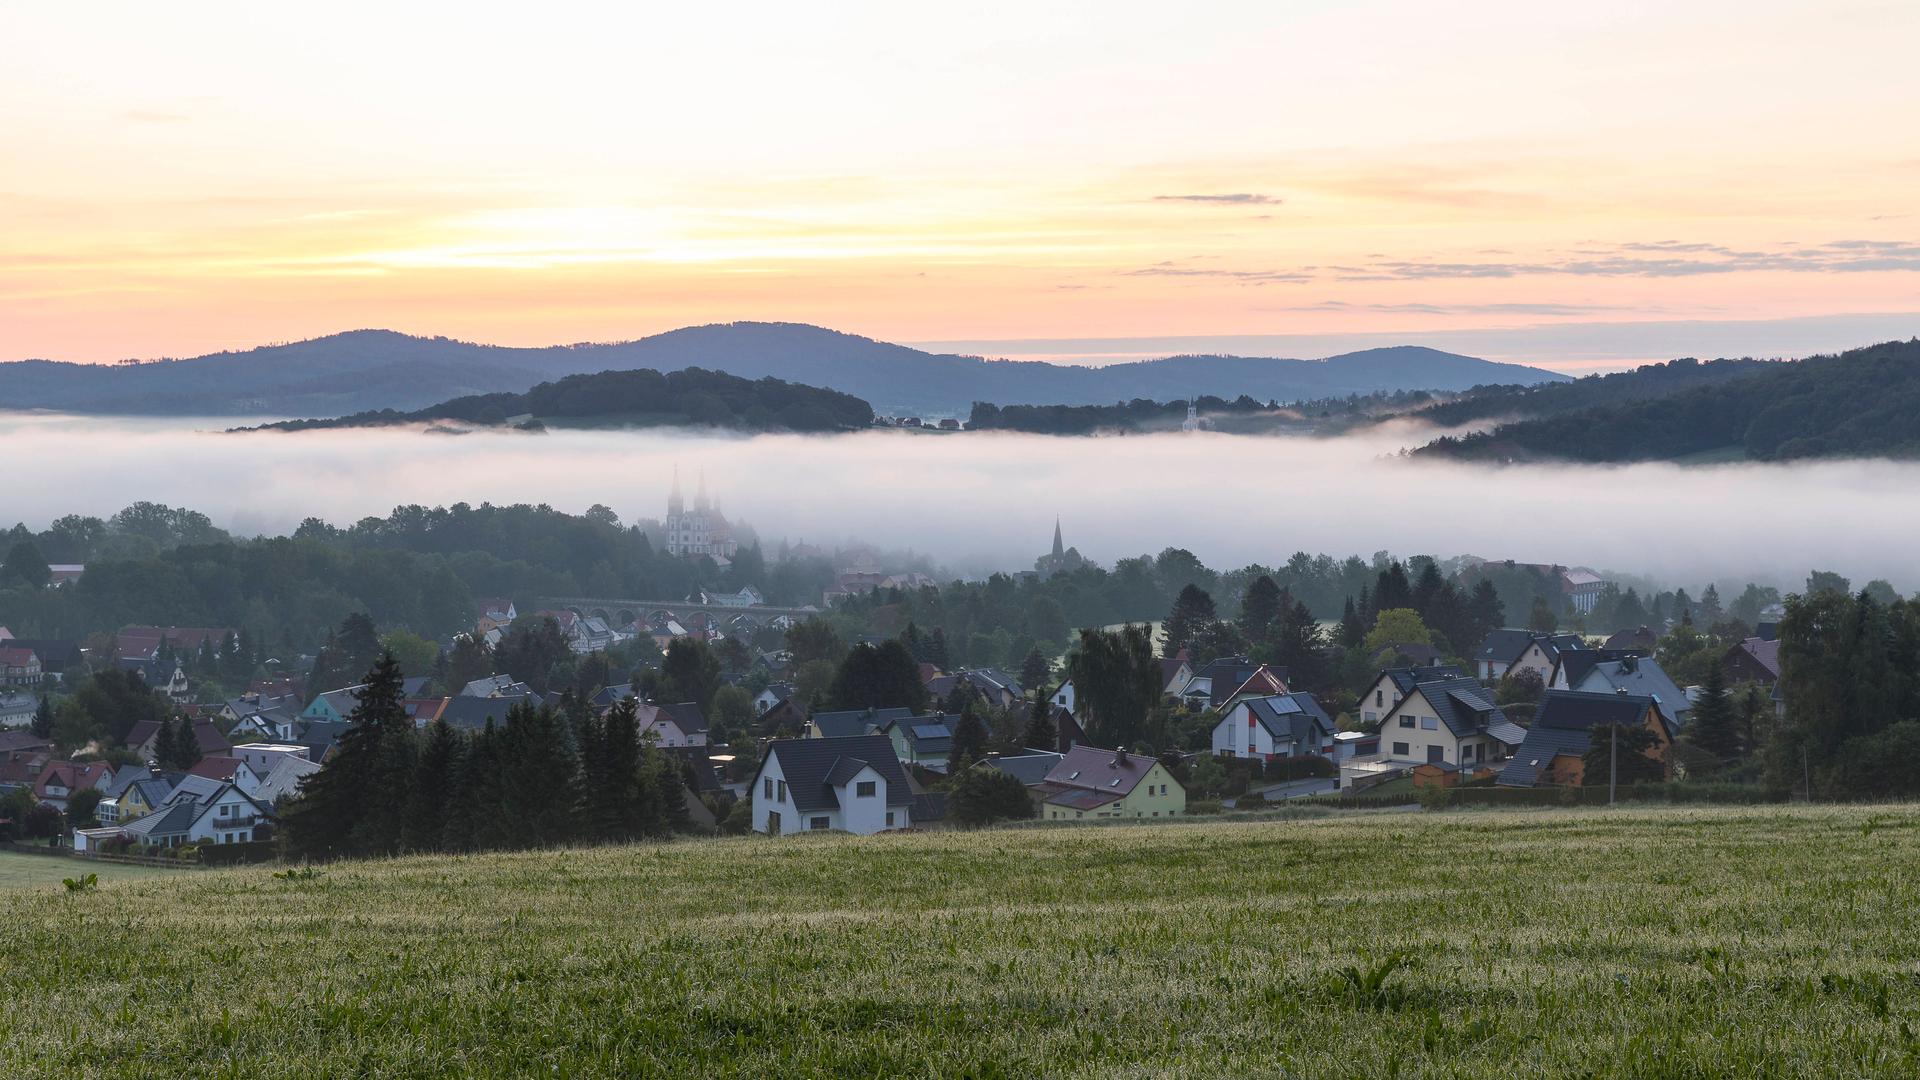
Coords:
545,777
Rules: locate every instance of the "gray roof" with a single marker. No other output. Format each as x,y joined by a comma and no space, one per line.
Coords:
1404,678
809,765
1295,718
926,734
1508,732
1029,768
472,713
1462,704
687,716
848,723
1642,677
1562,725
177,818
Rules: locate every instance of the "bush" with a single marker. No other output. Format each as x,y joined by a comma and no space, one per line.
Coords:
982,796
1203,806
1434,796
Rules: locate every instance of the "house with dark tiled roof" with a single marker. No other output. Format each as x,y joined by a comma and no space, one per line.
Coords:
1508,652
1641,676
1640,640
222,815
1090,783
846,723
851,785
1215,684
921,740
1754,660
1393,684
473,713
1030,768
1275,726
999,688
1555,748
1448,721
679,724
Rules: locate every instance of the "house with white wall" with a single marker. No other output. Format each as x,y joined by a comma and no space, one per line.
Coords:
852,784
1448,722
1275,726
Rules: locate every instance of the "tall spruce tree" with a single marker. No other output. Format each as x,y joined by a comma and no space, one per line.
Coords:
537,778
42,725
1259,608
430,798
1714,726
357,801
1192,609
969,740
1040,733
473,815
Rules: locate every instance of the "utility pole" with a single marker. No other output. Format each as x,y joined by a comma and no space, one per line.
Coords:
1613,760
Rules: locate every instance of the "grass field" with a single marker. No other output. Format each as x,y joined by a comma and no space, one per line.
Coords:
29,870
1775,941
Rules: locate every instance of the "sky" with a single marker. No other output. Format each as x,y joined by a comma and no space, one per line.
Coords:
1563,184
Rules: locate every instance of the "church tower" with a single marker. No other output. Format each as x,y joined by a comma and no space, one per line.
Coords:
1059,549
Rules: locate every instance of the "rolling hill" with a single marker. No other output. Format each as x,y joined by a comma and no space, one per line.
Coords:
366,370
1861,403
642,398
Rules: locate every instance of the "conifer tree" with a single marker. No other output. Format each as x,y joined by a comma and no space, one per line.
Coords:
1715,725
1192,609
473,816
1036,672
1259,608
355,804
1040,733
431,795
42,726
969,740
537,778
1353,631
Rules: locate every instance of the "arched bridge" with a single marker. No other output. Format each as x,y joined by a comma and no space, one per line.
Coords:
622,612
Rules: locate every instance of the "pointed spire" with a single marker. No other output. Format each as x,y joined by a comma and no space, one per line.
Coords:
1058,548
675,503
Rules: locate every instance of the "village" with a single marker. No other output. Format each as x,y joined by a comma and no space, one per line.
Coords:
768,722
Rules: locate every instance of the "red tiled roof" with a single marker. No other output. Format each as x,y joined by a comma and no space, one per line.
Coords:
11,657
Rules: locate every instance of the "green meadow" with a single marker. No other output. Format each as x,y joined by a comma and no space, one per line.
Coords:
1696,942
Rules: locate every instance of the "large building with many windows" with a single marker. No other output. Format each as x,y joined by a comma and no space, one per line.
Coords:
701,531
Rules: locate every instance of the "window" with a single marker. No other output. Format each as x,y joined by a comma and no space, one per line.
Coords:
224,810
783,792
1400,749
1437,754
1428,723
767,784
817,823
1406,719
865,789
889,819
1379,698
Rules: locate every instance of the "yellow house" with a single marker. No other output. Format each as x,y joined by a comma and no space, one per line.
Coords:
1093,783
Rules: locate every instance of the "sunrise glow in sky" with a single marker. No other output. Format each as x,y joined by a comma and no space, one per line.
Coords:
176,179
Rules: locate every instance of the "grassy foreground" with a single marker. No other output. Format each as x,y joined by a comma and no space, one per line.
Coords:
1769,941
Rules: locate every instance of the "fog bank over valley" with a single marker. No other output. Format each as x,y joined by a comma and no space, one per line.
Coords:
985,501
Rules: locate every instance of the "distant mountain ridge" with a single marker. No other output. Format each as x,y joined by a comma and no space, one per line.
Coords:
363,370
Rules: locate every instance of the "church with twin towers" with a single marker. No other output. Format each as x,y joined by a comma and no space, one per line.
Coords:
701,531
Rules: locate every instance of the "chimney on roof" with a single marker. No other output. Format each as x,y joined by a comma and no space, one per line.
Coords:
1119,759
1621,690
153,768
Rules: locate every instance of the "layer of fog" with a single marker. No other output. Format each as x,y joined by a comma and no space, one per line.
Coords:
979,501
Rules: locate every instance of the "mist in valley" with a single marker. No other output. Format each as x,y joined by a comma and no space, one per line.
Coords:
977,502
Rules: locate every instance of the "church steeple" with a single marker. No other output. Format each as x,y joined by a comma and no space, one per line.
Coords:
1058,548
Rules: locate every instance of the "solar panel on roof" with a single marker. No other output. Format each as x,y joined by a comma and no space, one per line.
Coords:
930,731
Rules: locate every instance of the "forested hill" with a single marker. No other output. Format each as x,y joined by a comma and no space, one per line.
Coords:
692,398
1861,403
379,369
1549,399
